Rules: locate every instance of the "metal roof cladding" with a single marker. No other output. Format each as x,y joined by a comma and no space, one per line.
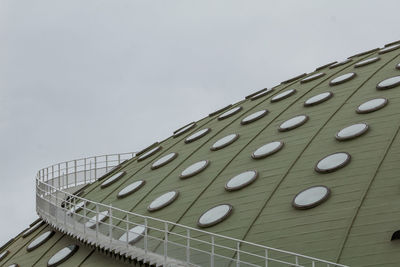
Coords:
331,192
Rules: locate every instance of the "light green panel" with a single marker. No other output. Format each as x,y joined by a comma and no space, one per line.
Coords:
325,238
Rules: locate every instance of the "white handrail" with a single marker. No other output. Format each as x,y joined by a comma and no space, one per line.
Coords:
161,242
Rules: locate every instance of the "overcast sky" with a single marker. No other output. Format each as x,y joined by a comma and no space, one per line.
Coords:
88,77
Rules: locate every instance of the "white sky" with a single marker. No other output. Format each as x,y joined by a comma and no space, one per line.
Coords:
87,77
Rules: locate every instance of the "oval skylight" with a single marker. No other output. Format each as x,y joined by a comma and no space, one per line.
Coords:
214,215
241,180
163,201
293,123
340,63
149,153
197,135
164,160
13,265
283,95
134,234
312,77
317,99
261,94
184,129
342,78
398,66
32,229
267,150
255,116
352,131
389,83
229,113
365,62
224,141
40,240
112,179
389,48
131,188
92,222
372,105
62,255
311,197
79,206
194,169
4,254
333,162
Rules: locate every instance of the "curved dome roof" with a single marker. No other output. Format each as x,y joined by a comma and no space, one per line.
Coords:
314,194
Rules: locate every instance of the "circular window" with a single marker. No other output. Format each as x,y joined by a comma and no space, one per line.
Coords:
134,234
133,187
342,78
214,215
164,160
4,254
261,94
62,255
293,123
372,105
194,169
79,206
283,95
255,116
184,129
337,64
352,131
365,62
40,240
312,77
149,153
241,180
224,142
389,83
389,48
267,150
311,197
317,99
32,229
163,201
92,222
229,113
197,135
112,179
333,162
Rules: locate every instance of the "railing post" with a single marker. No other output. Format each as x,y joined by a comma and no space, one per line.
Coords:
84,170
187,246
66,174
237,254
84,218
119,159
110,230
97,222
59,176
266,258
297,260
106,163
52,175
145,236
95,168
165,242
127,230
73,208
212,251
75,171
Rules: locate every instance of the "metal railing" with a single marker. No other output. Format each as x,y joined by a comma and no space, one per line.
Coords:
158,242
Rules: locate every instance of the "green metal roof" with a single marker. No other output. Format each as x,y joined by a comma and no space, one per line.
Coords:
353,226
